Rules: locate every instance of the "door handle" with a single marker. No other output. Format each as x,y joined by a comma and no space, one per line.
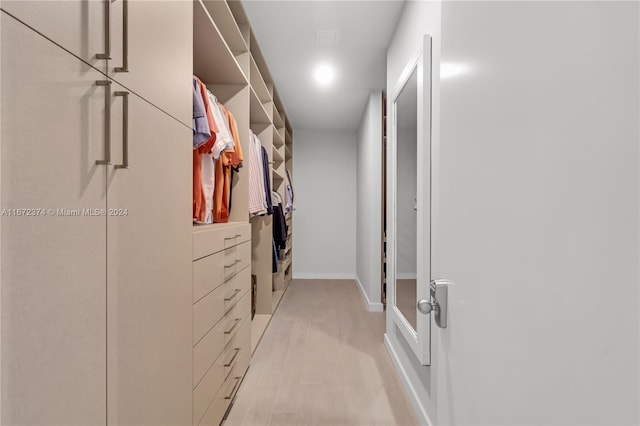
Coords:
107,122
125,38
125,130
439,294
107,32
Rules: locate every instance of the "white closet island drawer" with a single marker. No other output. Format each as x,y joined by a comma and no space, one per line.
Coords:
213,270
211,239
211,308
229,361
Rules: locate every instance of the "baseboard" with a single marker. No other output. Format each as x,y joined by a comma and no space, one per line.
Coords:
421,412
322,276
373,307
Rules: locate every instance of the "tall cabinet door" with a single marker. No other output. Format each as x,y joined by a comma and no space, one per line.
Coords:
153,50
53,229
149,267
80,26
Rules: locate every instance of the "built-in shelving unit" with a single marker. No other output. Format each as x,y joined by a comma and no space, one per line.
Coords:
227,58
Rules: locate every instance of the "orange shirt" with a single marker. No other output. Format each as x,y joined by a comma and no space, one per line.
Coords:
228,159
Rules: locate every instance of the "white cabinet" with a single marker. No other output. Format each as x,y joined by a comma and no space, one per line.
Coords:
96,288
149,268
53,275
154,45
77,25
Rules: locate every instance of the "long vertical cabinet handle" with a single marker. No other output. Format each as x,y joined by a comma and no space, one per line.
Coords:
107,32
125,130
125,38
107,122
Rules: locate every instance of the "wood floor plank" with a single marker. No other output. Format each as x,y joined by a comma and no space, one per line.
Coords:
322,361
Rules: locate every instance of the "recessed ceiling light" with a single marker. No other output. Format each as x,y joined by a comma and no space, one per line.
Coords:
324,74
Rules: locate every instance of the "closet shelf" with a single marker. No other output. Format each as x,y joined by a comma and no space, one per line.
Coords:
213,60
278,141
287,151
277,157
226,23
258,115
277,175
258,84
277,119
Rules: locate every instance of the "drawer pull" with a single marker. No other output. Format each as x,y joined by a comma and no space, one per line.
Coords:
234,237
235,293
234,388
235,324
233,358
233,264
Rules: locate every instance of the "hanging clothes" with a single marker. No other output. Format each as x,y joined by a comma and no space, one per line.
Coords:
230,158
201,131
267,181
289,205
224,141
280,230
199,197
257,203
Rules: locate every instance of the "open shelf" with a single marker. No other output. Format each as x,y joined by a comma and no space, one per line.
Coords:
226,23
277,157
258,84
277,176
213,60
277,119
278,141
257,112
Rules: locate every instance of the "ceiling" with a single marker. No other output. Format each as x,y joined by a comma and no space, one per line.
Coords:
286,32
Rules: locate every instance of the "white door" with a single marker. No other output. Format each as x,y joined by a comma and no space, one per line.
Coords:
537,214
53,277
149,266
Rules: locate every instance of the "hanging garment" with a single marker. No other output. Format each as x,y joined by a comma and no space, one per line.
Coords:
275,260
288,205
224,141
231,158
199,201
208,184
201,131
257,203
280,231
267,181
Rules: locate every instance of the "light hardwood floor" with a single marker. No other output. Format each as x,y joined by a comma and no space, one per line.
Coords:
322,361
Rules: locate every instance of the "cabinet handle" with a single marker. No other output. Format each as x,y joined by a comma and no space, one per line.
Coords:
234,237
233,264
233,358
235,293
107,122
233,390
125,130
107,32
125,38
235,324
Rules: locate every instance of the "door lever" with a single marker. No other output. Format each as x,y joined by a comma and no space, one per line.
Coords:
439,293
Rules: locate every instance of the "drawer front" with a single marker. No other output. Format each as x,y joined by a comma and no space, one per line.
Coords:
236,317
207,389
238,351
212,239
236,258
207,312
235,288
207,350
215,413
212,271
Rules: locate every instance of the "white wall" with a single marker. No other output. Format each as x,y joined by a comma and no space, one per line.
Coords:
369,202
537,207
324,238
